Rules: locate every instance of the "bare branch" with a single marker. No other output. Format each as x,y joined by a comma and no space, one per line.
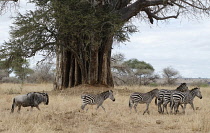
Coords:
4,4
152,15
193,5
160,9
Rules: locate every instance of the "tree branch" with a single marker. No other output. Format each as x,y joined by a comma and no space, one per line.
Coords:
192,5
152,15
136,7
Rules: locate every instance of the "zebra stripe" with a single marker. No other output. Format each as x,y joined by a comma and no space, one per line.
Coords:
142,98
96,99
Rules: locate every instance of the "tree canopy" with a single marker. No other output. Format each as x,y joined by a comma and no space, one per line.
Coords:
81,32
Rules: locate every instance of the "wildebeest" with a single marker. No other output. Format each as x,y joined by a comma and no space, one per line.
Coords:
32,99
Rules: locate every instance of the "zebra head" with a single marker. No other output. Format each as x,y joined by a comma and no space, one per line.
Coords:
111,96
155,92
183,87
197,92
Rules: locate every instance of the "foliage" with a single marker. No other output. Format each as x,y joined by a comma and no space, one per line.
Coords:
76,30
132,71
3,73
41,30
139,67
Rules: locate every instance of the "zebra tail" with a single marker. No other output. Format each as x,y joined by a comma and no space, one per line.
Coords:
130,105
156,101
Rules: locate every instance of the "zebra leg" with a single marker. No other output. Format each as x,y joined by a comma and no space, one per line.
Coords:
184,108
172,106
165,107
147,109
192,105
159,106
103,108
83,106
175,108
135,105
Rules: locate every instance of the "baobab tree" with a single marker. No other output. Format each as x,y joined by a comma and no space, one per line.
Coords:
81,33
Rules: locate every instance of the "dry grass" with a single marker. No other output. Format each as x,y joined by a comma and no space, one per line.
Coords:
63,114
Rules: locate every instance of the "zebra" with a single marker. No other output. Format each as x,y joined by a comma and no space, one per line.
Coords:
184,98
32,99
142,98
96,99
165,96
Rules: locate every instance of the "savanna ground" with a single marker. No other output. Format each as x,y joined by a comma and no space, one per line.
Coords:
63,114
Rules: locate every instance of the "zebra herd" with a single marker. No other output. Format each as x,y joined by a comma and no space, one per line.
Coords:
181,95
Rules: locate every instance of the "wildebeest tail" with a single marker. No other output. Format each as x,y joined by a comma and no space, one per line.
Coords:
13,106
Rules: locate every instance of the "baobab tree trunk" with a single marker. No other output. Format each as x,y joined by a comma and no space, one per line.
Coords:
92,67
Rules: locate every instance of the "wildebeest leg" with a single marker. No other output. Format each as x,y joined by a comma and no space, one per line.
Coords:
38,107
31,108
19,107
147,109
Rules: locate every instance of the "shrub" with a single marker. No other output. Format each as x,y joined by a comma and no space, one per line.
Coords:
10,80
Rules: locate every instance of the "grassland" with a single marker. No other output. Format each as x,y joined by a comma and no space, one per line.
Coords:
63,114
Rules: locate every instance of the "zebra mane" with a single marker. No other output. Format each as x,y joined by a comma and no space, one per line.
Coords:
106,94
103,93
152,91
194,89
181,87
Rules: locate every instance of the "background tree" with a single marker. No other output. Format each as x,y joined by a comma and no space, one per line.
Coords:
139,70
43,73
132,72
118,69
81,33
19,66
170,75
